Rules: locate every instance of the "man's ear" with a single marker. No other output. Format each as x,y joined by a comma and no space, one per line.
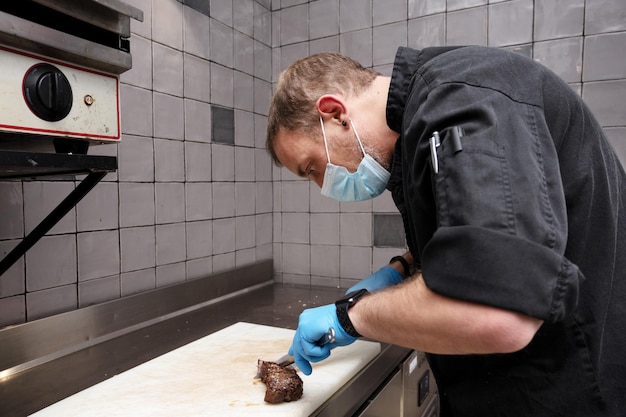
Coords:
331,106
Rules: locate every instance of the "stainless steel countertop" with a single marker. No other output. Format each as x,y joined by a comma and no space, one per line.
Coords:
274,305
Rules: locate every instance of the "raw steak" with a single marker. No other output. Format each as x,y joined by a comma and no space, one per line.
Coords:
283,384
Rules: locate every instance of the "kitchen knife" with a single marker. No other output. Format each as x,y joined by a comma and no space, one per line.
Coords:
286,360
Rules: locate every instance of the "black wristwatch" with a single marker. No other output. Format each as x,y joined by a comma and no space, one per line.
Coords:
343,304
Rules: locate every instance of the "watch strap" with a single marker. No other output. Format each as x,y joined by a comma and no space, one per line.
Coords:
343,305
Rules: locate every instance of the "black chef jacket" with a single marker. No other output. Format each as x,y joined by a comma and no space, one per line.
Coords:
526,211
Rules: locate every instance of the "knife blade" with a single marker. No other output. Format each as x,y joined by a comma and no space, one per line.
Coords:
286,360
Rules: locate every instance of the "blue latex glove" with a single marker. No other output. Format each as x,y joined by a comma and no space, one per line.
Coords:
312,325
383,278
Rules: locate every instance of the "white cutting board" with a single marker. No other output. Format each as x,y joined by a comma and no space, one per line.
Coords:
213,376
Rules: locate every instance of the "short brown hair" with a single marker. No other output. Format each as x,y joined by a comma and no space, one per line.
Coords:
292,108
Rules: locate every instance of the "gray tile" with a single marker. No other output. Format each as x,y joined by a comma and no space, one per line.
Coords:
467,27
427,31
98,210
199,239
296,259
243,16
98,290
355,229
168,116
223,162
12,282
384,204
245,257
602,16
295,196
464,4
144,28
245,198
357,45
169,160
289,3
197,161
140,75
295,228
136,110
167,23
389,231
224,262
201,6
321,204
170,274
262,165
511,23
294,24
170,202
563,56
262,61
244,164
355,15
323,18
262,24
199,268
324,229
12,310
223,236
40,198
51,301
223,199
197,78
197,121
606,100
138,281
243,94
222,85
197,30
325,260
604,57
291,53
263,229
558,19
136,204
264,197
243,54
11,207
51,263
198,201
137,249
260,129
98,254
221,44
245,229
244,134
386,40
222,10
425,8
167,70
262,96
329,44
389,11
170,243
356,262
136,159
222,125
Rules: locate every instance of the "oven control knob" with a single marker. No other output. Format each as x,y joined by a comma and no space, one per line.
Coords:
48,93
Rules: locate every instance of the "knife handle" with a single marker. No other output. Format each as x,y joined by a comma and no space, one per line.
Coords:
329,337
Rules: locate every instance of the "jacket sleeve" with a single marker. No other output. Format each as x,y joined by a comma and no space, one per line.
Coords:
501,216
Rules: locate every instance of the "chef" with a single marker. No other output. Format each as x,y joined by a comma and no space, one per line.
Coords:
514,209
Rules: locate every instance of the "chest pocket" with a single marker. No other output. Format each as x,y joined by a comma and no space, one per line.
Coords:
472,183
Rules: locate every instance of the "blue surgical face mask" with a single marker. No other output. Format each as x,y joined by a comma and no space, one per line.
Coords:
369,180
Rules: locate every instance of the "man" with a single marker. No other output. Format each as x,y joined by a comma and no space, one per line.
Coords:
514,211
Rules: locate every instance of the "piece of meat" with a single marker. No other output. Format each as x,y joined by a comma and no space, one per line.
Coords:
283,384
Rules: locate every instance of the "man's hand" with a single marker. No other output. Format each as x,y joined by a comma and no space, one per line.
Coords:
312,325
383,278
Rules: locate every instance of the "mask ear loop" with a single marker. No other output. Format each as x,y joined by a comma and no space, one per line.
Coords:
325,141
357,136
